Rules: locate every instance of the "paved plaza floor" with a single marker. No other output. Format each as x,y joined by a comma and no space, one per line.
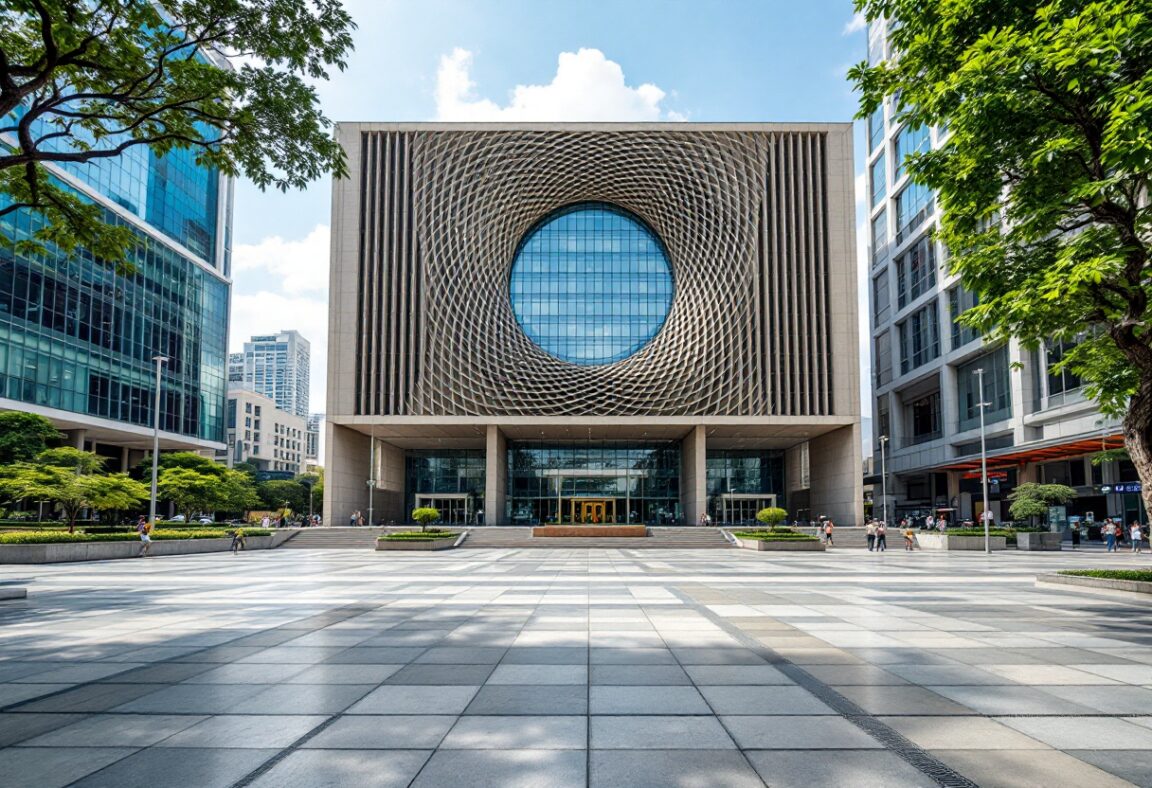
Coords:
558,668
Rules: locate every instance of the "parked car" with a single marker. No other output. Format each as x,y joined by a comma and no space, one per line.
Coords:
177,519
206,521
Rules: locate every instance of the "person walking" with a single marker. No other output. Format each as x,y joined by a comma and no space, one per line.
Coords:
1075,536
881,537
1137,537
929,523
238,541
870,533
909,538
265,522
829,526
144,528
1109,530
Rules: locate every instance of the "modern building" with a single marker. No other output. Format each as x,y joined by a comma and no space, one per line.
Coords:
593,323
261,434
77,340
312,445
927,369
277,366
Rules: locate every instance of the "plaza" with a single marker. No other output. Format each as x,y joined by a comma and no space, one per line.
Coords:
559,667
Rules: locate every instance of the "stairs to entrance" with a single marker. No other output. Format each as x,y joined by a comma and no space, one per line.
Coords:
520,537
333,539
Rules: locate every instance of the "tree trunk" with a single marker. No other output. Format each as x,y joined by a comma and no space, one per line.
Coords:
1138,437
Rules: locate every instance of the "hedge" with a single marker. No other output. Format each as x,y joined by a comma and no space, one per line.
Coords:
776,535
50,537
1139,575
417,536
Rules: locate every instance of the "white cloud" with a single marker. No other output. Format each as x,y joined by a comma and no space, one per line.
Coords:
854,25
587,87
298,265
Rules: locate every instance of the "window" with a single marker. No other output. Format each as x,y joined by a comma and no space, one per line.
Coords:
881,300
915,271
923,419
959,302
247,407
880,236
908,141
919,338
1061,384
883,423
996,389
883,357
878,179
913,205
876,128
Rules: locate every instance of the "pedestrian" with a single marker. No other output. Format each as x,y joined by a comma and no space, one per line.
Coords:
265,522
1137,537
828,528
881,537
870,533
942,524
1075,535
144,528
929,523
909,537
1109,531
238,541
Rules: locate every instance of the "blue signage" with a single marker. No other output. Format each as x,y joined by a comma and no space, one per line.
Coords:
1127,487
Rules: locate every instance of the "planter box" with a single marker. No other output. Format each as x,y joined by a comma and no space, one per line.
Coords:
782,546
1131,586
590,530
426,545
1045,540
69,552
928,541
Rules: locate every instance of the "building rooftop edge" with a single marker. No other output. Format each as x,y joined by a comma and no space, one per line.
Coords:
593,125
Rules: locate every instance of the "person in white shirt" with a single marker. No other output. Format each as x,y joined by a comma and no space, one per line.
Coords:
1137,538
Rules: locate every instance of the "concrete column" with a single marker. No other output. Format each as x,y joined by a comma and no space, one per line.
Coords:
693,475
77,437
390,473
837,476
124,459
495,477
345,474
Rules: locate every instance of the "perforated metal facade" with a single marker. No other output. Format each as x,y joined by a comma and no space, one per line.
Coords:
742,216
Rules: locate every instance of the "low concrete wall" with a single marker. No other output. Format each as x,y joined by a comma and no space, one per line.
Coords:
928,541
590,530
13,592
432,544
783,546
69,552
1045,540
1131,586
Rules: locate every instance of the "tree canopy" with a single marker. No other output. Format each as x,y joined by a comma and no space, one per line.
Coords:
195,490
72,479
1032,500
24,435
1042,174
228,80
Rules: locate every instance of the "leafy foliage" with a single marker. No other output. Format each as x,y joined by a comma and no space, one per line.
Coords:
425,516
1139,575
277,494
194,490
71,478
81,82
771,516
1032,500
1043,177
59,537
24,435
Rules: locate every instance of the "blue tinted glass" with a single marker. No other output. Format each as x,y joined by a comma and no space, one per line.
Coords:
591,284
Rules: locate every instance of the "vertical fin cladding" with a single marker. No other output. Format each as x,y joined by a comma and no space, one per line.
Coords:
388,279
794,276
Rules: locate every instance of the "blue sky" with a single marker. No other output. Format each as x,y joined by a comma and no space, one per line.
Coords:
694,60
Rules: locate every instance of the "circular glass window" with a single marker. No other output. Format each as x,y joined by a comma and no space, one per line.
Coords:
591,284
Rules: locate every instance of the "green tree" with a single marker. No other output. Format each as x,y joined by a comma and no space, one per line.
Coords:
1031,500
425,515
772,516
283,493
24,435
72,479
313,484
85,81
1043,177
194,490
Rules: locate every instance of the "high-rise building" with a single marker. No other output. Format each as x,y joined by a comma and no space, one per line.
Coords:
927,369
277,366
594,323
77,340
312,447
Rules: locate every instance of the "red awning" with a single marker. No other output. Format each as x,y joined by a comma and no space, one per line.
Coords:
1010,458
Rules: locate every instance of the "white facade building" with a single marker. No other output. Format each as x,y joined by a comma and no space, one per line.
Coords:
1039,426
261,434
312,445
277,366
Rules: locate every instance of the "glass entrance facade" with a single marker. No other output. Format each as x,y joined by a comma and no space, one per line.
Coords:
595,482
741,483
449,480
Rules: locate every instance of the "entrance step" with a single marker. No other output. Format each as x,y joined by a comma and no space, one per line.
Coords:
490,537
337,538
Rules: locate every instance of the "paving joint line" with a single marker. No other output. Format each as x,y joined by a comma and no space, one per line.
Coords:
893,741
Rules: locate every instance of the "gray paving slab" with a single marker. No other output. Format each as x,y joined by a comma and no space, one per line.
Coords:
383,732
647,700
1066,733
244,731
504,769
192,698
639,674
1029,769
906,699
771,732
543,699
539,674
520,732
344,769
736,674
91,698
128,730
737,699
33,767
1135,766
343,674
156,766
545,655
718,656
414,699
682,768
1010,700
659,733
855,768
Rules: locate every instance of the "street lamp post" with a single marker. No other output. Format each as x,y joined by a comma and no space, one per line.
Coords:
979,373
884,477
371,474
160,362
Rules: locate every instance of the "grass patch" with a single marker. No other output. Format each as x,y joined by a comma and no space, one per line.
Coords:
57,537
1139,575
417,536
776,535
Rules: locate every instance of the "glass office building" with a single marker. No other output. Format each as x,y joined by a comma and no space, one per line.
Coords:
593,323
77,339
